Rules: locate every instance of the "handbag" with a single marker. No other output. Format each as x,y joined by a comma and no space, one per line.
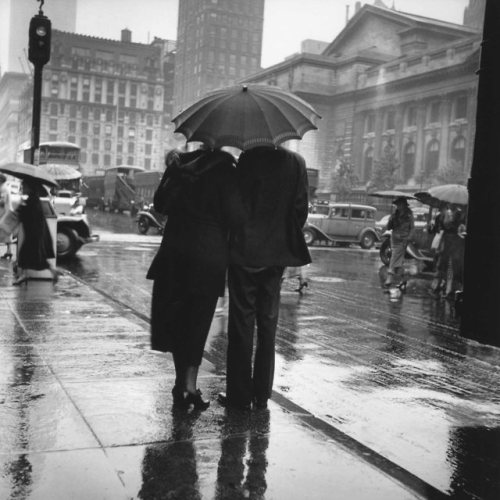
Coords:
436,241
9,222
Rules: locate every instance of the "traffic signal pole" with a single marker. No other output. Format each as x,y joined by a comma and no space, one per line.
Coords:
39,54
37,108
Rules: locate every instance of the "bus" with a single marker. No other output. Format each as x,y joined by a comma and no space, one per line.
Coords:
119,187
61,160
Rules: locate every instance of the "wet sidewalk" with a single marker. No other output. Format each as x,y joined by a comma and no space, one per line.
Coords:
86,413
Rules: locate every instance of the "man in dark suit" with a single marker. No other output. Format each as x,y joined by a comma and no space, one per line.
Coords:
273,183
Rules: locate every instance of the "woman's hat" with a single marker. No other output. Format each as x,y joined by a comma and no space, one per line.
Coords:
400,199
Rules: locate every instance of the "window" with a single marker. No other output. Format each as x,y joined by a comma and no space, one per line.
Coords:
149,135
370,123
107,160
95,144
83,142
434,112
72,126
358,213
95,158
97,128
97,114
85,113
53,109
432,157
131,148
390,120
411,116
458,150
85,127
53,124
461,107
409,161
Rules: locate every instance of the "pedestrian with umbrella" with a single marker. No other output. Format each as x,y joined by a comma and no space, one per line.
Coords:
273,183
37,247
401,223
199,196
6,211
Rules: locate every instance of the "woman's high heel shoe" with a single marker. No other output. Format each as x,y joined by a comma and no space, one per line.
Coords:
196,400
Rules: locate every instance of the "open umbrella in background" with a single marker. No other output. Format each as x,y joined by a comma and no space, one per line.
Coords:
27,172
392,194
246,116
61,172
448,193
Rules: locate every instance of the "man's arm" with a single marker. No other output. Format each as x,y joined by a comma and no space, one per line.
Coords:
302,192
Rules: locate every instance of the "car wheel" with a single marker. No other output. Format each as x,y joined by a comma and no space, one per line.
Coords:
367,241
309,236
386,251
142,225
66,243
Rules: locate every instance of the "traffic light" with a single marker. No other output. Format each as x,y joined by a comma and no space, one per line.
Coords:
39,40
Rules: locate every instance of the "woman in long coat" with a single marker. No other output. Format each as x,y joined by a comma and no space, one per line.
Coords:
198,193
402,223
37,250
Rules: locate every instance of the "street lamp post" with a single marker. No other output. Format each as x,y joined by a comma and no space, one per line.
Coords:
39,55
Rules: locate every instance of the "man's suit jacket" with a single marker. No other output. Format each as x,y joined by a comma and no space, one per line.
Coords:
274,187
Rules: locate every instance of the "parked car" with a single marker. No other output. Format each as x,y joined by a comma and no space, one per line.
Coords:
148,218
344,223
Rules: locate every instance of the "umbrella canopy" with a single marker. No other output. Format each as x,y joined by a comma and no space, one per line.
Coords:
61,172
245,116
392,194
27,172
448,193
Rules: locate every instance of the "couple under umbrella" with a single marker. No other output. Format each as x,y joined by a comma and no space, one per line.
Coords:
246,219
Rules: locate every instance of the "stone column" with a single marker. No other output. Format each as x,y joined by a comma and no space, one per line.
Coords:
444,147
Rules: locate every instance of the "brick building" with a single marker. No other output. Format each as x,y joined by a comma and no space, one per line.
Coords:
111,97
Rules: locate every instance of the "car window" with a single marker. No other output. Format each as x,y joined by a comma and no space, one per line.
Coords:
370,214
358,213
339,212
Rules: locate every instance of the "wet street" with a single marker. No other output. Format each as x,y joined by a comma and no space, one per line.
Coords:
388,375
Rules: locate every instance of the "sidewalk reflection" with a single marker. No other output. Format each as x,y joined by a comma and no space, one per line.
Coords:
169,469
243,463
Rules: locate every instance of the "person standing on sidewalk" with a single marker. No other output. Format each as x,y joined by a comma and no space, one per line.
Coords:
401,223
198,194
37,248
274,187
5,209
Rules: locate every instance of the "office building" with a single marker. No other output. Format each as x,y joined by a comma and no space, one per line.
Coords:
219,42
113,98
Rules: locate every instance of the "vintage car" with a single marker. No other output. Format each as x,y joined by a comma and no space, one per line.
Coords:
345,223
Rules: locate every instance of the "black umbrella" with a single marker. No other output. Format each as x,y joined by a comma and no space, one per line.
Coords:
27,172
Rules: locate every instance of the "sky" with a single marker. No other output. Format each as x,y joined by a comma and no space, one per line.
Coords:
286,22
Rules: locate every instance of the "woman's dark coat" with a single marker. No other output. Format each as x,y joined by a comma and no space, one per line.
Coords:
200,198
37,245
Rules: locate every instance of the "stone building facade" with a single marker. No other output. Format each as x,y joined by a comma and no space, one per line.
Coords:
113,98
390,81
